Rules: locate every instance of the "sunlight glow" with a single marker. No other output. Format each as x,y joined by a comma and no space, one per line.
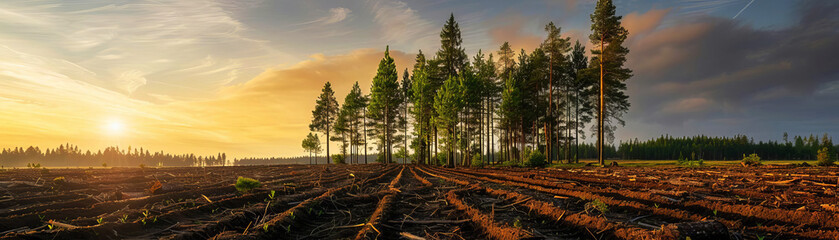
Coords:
115,127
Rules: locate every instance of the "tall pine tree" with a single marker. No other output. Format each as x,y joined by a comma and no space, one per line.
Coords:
451,56
384,104
608,59
448,103
325,113
555,46
423,109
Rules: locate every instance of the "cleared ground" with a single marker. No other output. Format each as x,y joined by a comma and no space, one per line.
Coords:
414,202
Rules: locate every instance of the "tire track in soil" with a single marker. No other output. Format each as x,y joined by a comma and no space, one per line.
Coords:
542,219
675,214
240,219
426,212
343,206
139,227
111,211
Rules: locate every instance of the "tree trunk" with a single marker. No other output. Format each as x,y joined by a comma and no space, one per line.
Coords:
600,115
327,142
365,135
548,123
492,132
577,127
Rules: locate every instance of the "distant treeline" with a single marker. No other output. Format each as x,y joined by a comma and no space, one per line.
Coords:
725,148
293,160
70,156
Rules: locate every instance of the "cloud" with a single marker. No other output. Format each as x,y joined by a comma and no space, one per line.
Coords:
335,15
639,24
698,73
402,25
512,28
694,8
46,102
132,47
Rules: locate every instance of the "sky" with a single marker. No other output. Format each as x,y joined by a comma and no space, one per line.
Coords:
241,77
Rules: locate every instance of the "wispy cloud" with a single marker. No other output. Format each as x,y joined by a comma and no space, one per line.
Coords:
401,25
703,7
335,15
125,43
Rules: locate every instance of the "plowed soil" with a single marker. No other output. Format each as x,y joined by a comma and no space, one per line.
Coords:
421,202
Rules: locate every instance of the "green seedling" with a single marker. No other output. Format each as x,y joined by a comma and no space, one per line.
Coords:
715,212
123,218
656,205
155,220
143,221
517,223
760,237
41,217
99,220
146,213
265,227
271,195
50,226
244,184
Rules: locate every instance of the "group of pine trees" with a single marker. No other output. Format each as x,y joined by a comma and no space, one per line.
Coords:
452,110
67,155
725,148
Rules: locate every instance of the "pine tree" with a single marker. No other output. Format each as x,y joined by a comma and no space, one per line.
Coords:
448,103
608,60
422,110
470,87
582,88
506,61
325,113
384,103
352,113
405,93
314,144
509,111
556,47
452,57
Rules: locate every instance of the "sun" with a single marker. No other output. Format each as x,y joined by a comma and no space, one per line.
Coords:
114,127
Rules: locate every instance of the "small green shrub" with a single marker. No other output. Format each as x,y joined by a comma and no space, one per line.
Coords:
477,160
691,163
512,163
244,184
338,159
751,160
825,157
597,205
536,159
441,159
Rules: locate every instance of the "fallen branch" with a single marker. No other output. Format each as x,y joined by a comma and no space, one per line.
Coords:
440,221
61,225
410,236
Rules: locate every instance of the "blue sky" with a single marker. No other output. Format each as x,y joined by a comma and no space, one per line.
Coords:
241,76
